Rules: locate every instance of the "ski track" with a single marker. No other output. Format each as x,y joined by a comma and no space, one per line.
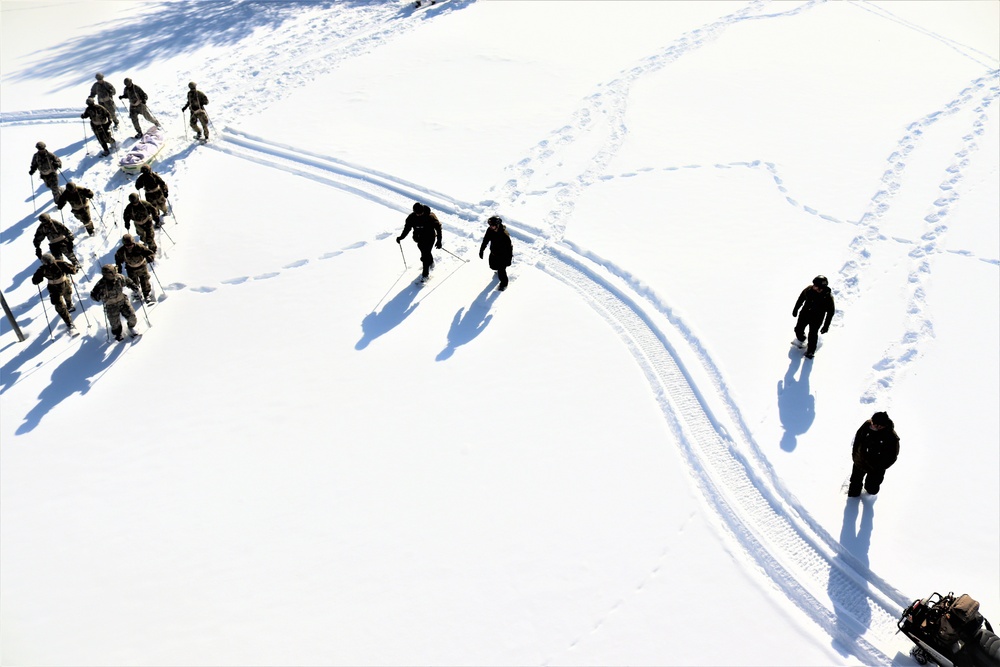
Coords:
766,524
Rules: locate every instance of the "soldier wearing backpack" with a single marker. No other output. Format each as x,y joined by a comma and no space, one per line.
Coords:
875,449
137,105
58,273
197,101
59,236
105,92
100,123
156,188
47,165
77,198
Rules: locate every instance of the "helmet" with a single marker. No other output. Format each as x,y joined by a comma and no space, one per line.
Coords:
44,217
133,197
90,101
40,145
99,76
128,82
495,220
127,239
820,281
417,207
146,168
48,258
192,85
109,270
70,185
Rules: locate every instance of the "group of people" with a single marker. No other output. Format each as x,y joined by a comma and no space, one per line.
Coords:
103,112
60,263
426,230
876,444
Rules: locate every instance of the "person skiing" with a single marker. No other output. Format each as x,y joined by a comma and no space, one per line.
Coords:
136,258
58,273
815,309
47,165
105,93
501,249
59,236
197,101
876,447
156,188
145,217
137,105
110,290
77,198
426,234
100,123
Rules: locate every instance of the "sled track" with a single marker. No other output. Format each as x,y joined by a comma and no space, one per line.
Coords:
855,607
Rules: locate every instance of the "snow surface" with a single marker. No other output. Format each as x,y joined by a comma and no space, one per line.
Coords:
306,459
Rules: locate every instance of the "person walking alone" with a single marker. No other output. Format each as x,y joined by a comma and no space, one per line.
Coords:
815,310
197,101
876,447
501,249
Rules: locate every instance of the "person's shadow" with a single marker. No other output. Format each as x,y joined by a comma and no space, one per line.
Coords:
796,406
469,322
850,606
394,311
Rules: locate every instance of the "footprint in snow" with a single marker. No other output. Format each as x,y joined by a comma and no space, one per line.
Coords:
236,281
328,255
265,276
203,290
296,264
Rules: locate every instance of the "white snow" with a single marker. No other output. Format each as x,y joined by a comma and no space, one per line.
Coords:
308,460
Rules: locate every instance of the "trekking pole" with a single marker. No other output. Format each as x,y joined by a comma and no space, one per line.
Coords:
184,123
453,254
86,142
107,327
42,299
145,315
403,254
164,232
33,193
158,283
79,300
172,214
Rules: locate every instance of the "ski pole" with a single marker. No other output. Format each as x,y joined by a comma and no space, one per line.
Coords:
164,232
86,142
33,193
172,214
42,299
107,327
452,254
158,283
403,254
79,300
184,123
145,315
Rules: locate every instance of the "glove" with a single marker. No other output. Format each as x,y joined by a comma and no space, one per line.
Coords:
438,246
399,239
31,171
795,313
824,329
480,254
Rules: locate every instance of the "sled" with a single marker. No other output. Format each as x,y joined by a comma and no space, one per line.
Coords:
973,644
143,151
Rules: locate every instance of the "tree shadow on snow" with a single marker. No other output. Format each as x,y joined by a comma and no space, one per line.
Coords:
379,323
796,406
72,376
850,606
163,30
465,327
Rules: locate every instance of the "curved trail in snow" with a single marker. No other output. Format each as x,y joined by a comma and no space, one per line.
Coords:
775,534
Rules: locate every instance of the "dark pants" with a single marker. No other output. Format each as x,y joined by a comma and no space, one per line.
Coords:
426,258
872,481
103,135
502,274
814,323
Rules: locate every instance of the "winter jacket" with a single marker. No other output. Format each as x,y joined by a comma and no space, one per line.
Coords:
97,114
54,232
54,272
112,290
134,256
140,211
875,450
197,101
76,199
501,248
426,228
102,90
815,305
151,183
44,162
135,95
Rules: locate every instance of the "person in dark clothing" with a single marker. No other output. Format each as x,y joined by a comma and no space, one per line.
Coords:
77,198
146,218
58,273
104,91
47,165
59,237
137,105
426,233
100,123
197,101
876,447
501,249
110,290
156,188
815,309
136,259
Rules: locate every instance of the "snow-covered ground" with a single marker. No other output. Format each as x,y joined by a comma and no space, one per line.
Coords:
307,459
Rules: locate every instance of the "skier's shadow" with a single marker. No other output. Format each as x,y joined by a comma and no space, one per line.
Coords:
466,327
796,406
853,615
70,377
394,311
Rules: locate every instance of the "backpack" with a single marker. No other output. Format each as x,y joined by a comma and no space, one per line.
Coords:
960,618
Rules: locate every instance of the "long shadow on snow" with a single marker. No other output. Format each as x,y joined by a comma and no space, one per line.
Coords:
392,314
796,406
852,612
71,376
466,327
165,30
